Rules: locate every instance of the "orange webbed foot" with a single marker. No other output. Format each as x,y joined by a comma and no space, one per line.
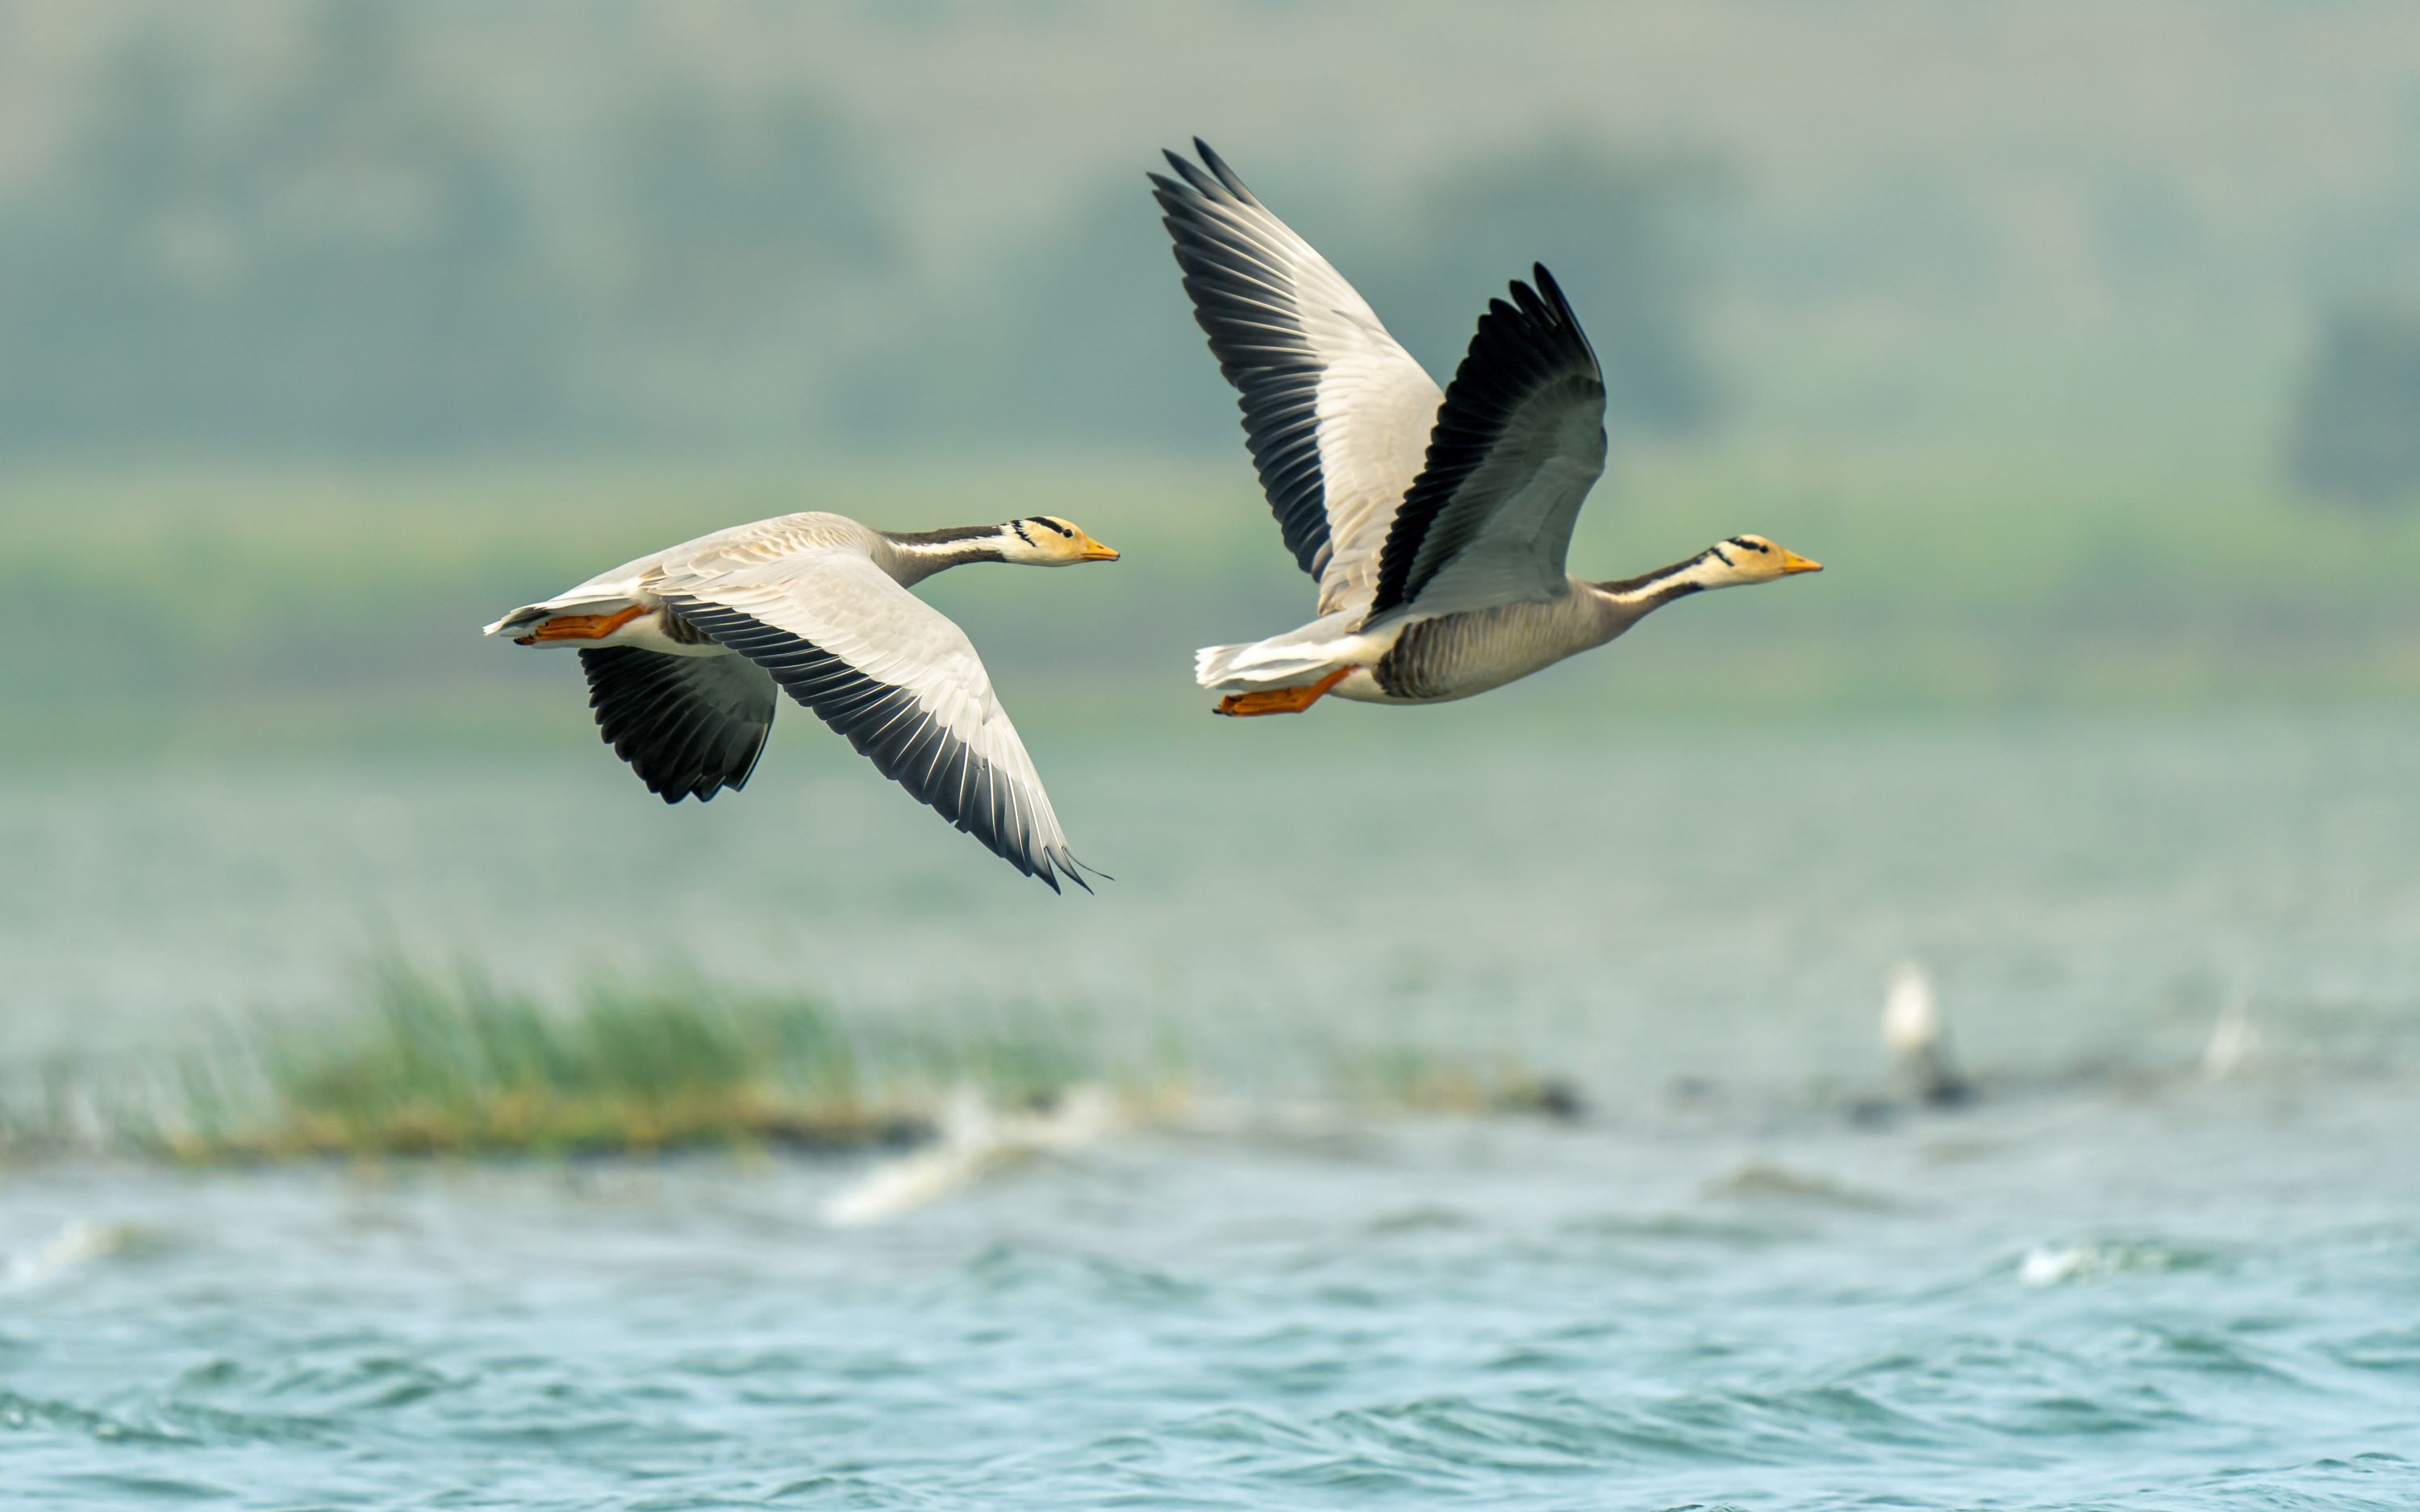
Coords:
580,626
1283,700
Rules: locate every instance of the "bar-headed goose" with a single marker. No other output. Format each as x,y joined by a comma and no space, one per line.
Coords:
684,650
1434,523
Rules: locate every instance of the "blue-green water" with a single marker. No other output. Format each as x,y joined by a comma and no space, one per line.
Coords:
2204,1300
2117,1279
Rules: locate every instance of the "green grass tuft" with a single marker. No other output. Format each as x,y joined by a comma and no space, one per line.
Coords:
457,1065
454,1064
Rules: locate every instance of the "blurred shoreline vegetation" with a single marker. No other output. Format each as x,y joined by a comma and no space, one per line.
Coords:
350,255
301,228
450,1064
341,258
1084,334
342,613
2356,437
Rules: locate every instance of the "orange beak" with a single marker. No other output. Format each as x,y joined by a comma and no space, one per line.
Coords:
1792,561
1096,551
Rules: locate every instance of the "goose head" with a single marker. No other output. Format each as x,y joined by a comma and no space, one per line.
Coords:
1048,541
1732,564
1750,558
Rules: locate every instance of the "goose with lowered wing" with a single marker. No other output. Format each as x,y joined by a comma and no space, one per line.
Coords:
685,651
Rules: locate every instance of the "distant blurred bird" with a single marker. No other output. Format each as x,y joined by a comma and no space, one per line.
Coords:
1434,523
1917,1039
2233,1040
684,650
976,1140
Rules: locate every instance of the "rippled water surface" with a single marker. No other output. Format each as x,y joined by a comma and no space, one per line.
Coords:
1744,1280
2206,1298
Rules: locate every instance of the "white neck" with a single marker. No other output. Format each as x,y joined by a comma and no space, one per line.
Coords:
1651,591
919,554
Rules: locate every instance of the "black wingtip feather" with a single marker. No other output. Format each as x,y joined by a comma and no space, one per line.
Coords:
1228,179
891,729
1196,177
1243,299
685,729
1516,347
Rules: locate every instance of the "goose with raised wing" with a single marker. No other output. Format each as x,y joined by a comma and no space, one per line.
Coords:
684,652
1434,522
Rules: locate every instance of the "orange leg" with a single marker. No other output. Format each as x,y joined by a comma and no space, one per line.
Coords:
580,626
1283,700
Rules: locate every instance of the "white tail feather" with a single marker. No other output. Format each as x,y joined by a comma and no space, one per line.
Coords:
535,614
1295,659
1210,663
1230,668
519,619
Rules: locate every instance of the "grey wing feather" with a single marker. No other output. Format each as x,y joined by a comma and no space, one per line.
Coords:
1518,444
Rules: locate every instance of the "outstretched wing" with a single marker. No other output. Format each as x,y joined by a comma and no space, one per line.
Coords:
689,726
1517,446
899,679
1336,412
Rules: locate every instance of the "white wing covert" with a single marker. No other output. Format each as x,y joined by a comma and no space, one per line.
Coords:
1335,411
898,678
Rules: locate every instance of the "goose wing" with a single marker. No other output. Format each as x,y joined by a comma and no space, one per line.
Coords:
1336,412
689,726
895,675
1517,446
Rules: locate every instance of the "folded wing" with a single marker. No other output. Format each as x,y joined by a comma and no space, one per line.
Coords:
1518,444
899,679
1336,412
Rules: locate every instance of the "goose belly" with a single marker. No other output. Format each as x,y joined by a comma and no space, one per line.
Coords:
658,630
664,633
1456,655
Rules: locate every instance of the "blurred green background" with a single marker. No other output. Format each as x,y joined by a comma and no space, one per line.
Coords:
2076,342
